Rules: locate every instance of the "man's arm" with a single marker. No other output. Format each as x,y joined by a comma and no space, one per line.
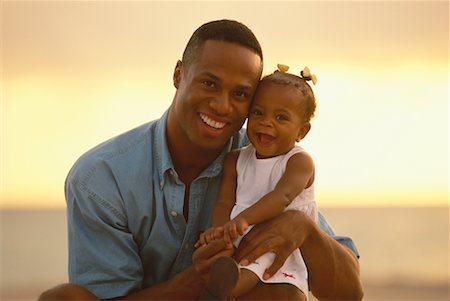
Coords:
185,285
333,269
188,284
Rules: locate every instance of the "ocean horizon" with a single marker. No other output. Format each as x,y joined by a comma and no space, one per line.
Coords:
404,251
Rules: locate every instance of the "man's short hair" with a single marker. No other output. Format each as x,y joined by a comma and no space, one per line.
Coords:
220,30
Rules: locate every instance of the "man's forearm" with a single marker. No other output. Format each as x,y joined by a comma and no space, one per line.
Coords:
185,285
332,268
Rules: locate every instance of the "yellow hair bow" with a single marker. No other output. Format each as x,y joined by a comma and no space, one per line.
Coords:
306,73
283,68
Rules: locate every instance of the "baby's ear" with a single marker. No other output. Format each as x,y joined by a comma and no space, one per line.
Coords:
303,131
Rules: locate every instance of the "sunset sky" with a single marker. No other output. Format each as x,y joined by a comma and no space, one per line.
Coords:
77,73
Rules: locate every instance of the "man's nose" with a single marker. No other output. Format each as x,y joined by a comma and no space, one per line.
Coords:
221,104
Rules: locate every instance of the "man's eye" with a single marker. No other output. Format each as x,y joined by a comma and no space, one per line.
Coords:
257,112
281,117
240,94
209,83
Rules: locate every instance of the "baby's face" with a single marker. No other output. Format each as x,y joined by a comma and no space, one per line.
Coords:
275,120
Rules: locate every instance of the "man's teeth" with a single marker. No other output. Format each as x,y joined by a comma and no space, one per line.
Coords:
212,123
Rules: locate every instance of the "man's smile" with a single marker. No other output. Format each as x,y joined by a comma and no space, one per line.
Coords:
212,123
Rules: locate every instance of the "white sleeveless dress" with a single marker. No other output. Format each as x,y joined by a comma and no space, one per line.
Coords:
255,178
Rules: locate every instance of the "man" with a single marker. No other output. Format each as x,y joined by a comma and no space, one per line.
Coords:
137,203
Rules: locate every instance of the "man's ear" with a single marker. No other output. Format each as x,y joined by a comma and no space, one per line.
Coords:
177,74
303,131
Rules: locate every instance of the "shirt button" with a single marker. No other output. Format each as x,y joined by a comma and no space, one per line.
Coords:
161,184
173,213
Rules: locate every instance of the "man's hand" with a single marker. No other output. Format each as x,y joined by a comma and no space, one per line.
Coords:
333,270
281,235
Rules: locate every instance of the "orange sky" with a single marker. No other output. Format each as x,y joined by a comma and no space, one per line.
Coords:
77,73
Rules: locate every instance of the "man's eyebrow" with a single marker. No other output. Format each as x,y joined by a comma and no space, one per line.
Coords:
211,75
246,87
217,78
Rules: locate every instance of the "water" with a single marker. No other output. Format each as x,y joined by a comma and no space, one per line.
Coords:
404,251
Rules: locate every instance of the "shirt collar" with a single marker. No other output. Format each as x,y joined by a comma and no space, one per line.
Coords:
216,167
162,155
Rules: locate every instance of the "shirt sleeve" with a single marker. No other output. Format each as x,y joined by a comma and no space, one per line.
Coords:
103,256
344,240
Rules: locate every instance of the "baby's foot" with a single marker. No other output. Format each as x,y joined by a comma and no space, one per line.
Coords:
223,277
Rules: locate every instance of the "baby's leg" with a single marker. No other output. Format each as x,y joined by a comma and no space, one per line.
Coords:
247,281
274,291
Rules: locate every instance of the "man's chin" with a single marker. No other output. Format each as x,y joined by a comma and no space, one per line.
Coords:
213,144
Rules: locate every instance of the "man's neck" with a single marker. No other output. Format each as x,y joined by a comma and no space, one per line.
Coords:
188,160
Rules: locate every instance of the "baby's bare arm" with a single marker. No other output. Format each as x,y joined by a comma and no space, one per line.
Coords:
227,192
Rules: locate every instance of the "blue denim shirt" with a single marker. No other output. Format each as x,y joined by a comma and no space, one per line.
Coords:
125,212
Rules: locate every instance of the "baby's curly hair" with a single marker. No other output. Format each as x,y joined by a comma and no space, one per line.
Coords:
288,79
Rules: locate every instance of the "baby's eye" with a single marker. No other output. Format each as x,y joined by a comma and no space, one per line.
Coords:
281,117
257,112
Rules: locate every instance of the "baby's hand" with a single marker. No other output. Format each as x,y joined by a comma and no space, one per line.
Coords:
209,235
234,228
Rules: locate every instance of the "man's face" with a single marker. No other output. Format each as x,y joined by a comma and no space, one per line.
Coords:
214,93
